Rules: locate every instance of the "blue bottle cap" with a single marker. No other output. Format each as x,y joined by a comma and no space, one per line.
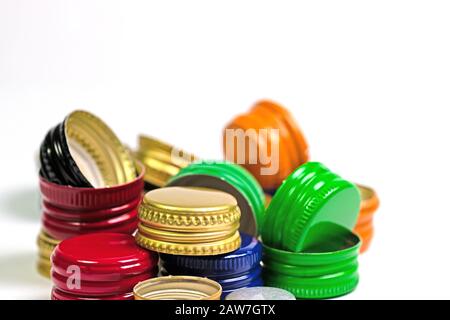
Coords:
243,280
231,283
246,258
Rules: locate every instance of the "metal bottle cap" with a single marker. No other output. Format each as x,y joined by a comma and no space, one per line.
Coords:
46,245
369,205
230,178
162,161
97,151
178,288
311,205
260,293
245,258
189,221
290,144
329,271
108,263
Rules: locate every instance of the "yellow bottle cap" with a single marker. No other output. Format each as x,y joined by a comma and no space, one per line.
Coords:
162,161
97,151
46,246
178,288
189,221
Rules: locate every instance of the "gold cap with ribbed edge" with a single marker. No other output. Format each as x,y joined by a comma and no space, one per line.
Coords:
162,161
46,245
189,221
178,288
99,154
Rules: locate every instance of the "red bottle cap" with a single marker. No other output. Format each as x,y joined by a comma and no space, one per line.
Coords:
61,229
98,288
85,216
89,199
61,295
107,263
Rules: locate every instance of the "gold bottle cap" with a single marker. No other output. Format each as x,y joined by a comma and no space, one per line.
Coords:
162,161
189,209
46,246
97,151
178,288
187,237
189,221
190,249
44,267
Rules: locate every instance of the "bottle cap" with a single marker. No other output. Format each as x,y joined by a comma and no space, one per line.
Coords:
229,283
83,152
97,151
369,205
260,293
311,205
63,229
61,295
90,215
162,161
249,280
107,263
330,271
90,288
178,288
90,199
290,145
46,246
244,259
104,252
57,163
189,221
232,179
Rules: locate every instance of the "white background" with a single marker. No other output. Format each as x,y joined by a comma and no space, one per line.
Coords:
368,82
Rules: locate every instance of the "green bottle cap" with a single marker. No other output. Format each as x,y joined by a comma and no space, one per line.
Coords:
312,205
330,272
230,178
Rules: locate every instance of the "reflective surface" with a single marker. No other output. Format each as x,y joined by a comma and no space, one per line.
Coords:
162,161
232,179
312,205
91,140
290,146
260,293
178,288
364,226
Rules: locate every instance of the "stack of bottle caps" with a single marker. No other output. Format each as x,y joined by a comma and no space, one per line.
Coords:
235,270
161,161
204,218
201,209
189,221
309,248
88,183
364,225
102,266
249,140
